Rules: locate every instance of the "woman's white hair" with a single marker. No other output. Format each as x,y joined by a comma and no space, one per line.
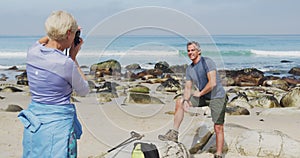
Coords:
58,23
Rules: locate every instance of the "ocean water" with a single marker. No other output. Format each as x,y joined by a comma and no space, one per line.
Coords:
264,52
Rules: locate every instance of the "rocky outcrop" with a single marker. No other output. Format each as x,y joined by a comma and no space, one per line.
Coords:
22,79
170,85
244,77
266,144
173,150
163,66
291,99
106,67
295,71
139,98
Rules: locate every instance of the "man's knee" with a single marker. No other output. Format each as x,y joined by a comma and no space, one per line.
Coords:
219,128
178,104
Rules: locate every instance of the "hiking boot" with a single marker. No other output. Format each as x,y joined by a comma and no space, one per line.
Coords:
171,135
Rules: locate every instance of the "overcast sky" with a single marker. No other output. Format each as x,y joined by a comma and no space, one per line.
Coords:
27,17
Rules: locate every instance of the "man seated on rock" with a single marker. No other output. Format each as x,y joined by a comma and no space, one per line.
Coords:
203,73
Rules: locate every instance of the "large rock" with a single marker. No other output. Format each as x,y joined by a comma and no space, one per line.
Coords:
109,65
266,144
139,98
163,66
279,83
22,79
133,67
244,77
236,110
139,89
11,89
13,108
173,150
291,99
268,102
295,71
170,85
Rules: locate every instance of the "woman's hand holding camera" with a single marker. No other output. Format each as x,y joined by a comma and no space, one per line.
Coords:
75,49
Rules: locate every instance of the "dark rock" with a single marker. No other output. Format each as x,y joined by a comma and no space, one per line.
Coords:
286,61
133,67
3,77
11,89
240,96
22,79
291,80
244,77
154,72
13,68
268,102
111,65
295,71
138,98
170,85
237,110
202,142
13,108
130,75
84,67
163,66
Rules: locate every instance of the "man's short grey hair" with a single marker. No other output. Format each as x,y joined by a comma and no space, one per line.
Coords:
197,45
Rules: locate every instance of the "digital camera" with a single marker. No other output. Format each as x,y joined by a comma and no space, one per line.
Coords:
77,38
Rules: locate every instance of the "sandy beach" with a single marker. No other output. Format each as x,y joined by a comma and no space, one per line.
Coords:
107,124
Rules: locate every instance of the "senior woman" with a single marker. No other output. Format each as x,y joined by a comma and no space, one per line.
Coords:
50,121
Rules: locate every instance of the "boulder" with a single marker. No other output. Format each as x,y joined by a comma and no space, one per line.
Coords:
22,79
133,67
291,99
163,66
244,77
173,150
139,98
107,66
3,77
11,89
170,85
237,110
266,144
268,102
295,71
139,89
279,83
13,108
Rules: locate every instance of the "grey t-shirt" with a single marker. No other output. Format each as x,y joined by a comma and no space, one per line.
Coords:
197,73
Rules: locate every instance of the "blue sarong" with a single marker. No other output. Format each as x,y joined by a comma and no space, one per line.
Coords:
50,131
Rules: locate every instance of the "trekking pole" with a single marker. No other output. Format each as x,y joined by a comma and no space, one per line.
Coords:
134,136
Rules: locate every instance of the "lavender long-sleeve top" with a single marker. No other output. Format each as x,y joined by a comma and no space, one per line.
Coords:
52,76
